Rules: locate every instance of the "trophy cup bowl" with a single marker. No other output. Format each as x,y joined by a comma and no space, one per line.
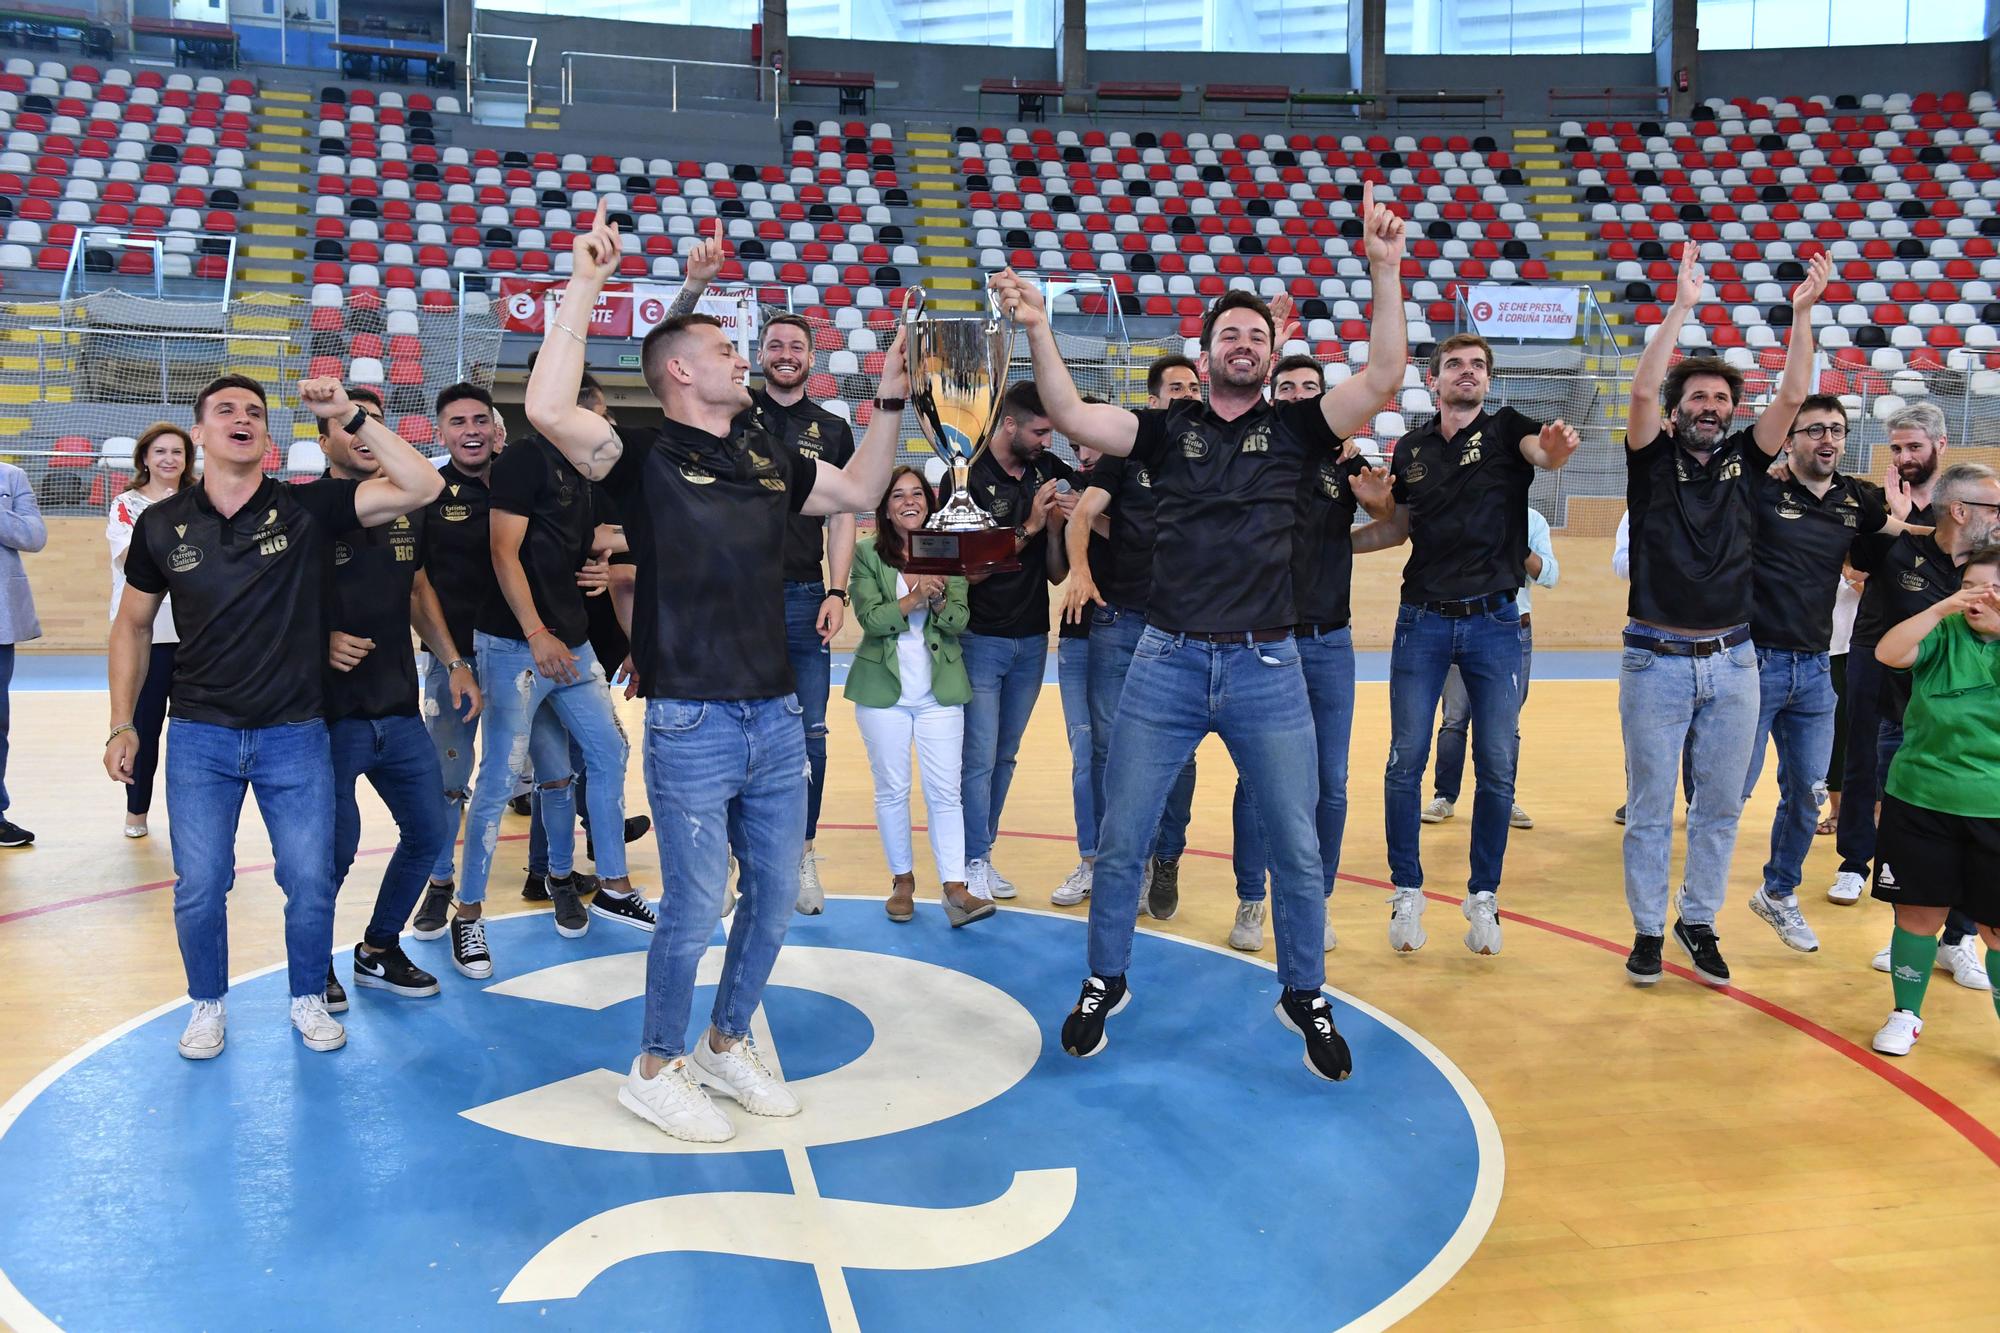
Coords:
958,380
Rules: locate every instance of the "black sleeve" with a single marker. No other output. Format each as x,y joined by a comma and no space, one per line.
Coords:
1108,476
330,500
1055,469
141,570
1519,428
1873,503
1633,457
420,528
517,478
1867,553
1399,464
1151,441
805,476
1306,419
622,481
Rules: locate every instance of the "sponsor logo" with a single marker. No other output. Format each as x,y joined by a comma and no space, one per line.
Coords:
1885,878
1415,473
271,536
183,558
1911,581
1789,506
342,553
1257,441
699,477
1194,446
1904,972
1144,477
455,513
1731,469
1471,453
1330,480
180,529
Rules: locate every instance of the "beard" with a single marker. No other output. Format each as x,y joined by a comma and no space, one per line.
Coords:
1918,471
776,379
1700,428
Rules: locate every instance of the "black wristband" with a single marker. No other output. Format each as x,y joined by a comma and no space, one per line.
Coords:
357,421
841,593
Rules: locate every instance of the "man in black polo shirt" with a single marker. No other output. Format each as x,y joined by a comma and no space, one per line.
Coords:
246,560
1109,541
1807,518
373,725
1006,644
705,505
1218,653
815,601
1689,677
1461,488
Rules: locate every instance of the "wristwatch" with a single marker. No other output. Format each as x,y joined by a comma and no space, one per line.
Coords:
890,404
357,421
458,662
841,593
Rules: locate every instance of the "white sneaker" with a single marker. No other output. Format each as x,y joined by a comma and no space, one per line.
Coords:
1962,960
1436,812
1332,940
1783,916
674,1102
997,884
1406,921
1899,1034
202,1038
1846,890
1881,960
740,1074
320,1030
1484,914
1074,889
1519,819
979,879
1248,932
812,898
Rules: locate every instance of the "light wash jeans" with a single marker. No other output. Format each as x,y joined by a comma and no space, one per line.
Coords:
937,732
451,738
721,776
1328,663
1073,678
1114,633
1709,706
1796,709
1006,681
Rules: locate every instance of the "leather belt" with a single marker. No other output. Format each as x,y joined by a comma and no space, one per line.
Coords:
1239,636
1312,629
1708,647
1476,606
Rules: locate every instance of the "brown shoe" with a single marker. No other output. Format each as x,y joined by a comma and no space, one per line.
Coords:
962,907
902,904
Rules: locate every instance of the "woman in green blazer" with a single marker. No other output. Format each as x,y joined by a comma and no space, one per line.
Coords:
909,688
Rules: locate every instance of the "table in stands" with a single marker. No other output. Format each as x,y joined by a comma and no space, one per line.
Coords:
1141,93
390,64
46,25
210,44
854,86
1029,94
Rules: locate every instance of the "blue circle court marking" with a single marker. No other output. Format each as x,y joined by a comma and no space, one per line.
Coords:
464,1163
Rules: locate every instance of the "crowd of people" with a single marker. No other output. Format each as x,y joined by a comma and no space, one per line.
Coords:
1204,547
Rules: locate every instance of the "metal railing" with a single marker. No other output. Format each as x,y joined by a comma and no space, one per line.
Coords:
569,59
96,238
474,77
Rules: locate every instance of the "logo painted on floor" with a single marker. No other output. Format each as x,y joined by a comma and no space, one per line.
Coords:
464,1162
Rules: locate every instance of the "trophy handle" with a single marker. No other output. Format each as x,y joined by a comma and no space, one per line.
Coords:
994,315
913,303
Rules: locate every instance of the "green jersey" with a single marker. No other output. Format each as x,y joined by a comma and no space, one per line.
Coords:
1950,756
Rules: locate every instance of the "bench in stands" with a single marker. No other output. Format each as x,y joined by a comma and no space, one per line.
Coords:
1490,101
854,85
1304,100
209,44
1028,94
31,24
1643,97
1141,92
1249,94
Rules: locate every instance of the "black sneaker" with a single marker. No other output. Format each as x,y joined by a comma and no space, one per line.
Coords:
627,909
336,995
1163,899
1310,1014
636,827
429,921
1704,951
571,919
1618,816
468,948
13,835
1642,965
536,890
1083,1030
391,970
521,805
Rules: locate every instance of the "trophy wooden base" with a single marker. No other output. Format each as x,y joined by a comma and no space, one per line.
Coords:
985,551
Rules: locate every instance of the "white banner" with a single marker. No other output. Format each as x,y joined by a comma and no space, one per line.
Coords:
1524,312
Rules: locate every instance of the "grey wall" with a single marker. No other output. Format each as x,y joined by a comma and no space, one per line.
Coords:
1931,66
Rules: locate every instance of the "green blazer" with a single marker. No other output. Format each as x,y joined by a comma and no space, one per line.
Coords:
874,681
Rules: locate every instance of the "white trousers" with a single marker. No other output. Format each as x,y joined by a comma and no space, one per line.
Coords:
937,733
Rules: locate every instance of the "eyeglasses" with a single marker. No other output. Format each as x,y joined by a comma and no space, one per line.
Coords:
1981,504
1820,430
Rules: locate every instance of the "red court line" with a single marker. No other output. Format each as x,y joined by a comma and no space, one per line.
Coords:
1963,1122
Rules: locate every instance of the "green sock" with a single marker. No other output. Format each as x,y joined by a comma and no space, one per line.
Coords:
1911,958
1993,975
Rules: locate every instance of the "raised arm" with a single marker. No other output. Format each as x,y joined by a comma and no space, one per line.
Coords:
1552,447
1351,405
704,262
1642,422
1100,426
585,438
1775,421
407,482
858,486
1900,643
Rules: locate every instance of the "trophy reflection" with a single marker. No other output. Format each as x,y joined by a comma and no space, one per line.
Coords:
958,377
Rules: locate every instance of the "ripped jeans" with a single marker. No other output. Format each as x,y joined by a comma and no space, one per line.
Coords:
518,726
451,736
1796,709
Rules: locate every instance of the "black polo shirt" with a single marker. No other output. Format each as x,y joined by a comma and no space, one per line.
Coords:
1323,564
1124,577
705,517
533,479
458,556
809,431
1694,528
1906,574
373,571
250,597
607,637
1802,539
1013,605
1468,501
1226,503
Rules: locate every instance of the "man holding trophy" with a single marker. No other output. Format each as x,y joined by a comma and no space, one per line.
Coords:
706,502
1218,654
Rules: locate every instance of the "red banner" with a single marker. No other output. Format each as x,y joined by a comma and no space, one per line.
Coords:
526,304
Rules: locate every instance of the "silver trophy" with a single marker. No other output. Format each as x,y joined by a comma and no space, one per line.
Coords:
958,381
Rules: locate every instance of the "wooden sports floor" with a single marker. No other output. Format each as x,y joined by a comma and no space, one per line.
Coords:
1675,1158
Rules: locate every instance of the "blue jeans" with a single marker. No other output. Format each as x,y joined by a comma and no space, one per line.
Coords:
1073,676
1448,774
1006,681
1114,633
395,755
1796,709
1328,663
289,769
1708,707
517,726
1254,697
721,775
451,740
538,833
1487,651
812,678
6,684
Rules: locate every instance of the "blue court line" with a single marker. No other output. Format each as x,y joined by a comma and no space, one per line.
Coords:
85,671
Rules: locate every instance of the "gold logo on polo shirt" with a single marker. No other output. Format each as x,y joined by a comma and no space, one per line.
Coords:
455,513
180,529
1911,581
1329,479
1194,446
691,473
1000,506
271,538
812,432
757,460
1257,441
453,488
1789,506
1416,473
771,483
1850,520
1144,477
1473,449
1731,469
183,557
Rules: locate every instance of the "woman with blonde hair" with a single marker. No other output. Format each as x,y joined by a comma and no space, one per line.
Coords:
162,463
